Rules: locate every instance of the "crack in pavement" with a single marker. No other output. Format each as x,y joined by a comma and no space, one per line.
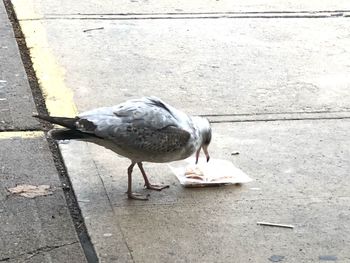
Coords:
204,13
278,116
194,15
280,119
113,210
243,117
11,128
277,113
37,251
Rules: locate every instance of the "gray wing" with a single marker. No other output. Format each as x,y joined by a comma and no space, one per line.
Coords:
150,140
146,124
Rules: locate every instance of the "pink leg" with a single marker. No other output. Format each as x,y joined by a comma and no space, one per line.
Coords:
147,183
132,195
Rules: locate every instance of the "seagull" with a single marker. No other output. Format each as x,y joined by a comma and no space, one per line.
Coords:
142,130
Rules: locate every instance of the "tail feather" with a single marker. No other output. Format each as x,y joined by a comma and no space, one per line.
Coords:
63,121
66,134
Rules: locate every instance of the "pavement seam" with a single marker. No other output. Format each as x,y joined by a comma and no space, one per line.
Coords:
17,129
113,211
212,118
202,13
275,113
103,184
124,239
47,249
278,116
194,15
180,16
21,134
38,251
281,119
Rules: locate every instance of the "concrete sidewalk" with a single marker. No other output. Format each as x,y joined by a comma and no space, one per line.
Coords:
38,229
273,79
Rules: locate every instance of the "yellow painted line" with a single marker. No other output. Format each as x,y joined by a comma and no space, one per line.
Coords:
21,134
58,97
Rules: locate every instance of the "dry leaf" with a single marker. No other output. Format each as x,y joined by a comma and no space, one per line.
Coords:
31,191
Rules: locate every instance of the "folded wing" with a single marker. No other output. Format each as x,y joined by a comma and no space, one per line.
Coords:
146,125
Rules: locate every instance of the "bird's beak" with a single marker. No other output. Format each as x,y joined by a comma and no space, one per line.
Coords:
205,150
197,155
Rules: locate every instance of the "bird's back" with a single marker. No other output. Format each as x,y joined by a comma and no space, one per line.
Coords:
144,130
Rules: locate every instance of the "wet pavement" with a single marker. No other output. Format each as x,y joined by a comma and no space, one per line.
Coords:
276,90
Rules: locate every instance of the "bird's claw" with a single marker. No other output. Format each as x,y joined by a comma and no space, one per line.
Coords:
157,187
138,196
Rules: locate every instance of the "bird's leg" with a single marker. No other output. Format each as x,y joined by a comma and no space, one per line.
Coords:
147,183
132,195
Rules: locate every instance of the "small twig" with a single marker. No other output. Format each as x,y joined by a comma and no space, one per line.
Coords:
91,29
277,225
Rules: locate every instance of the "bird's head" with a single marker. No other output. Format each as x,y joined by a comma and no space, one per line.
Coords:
204,129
